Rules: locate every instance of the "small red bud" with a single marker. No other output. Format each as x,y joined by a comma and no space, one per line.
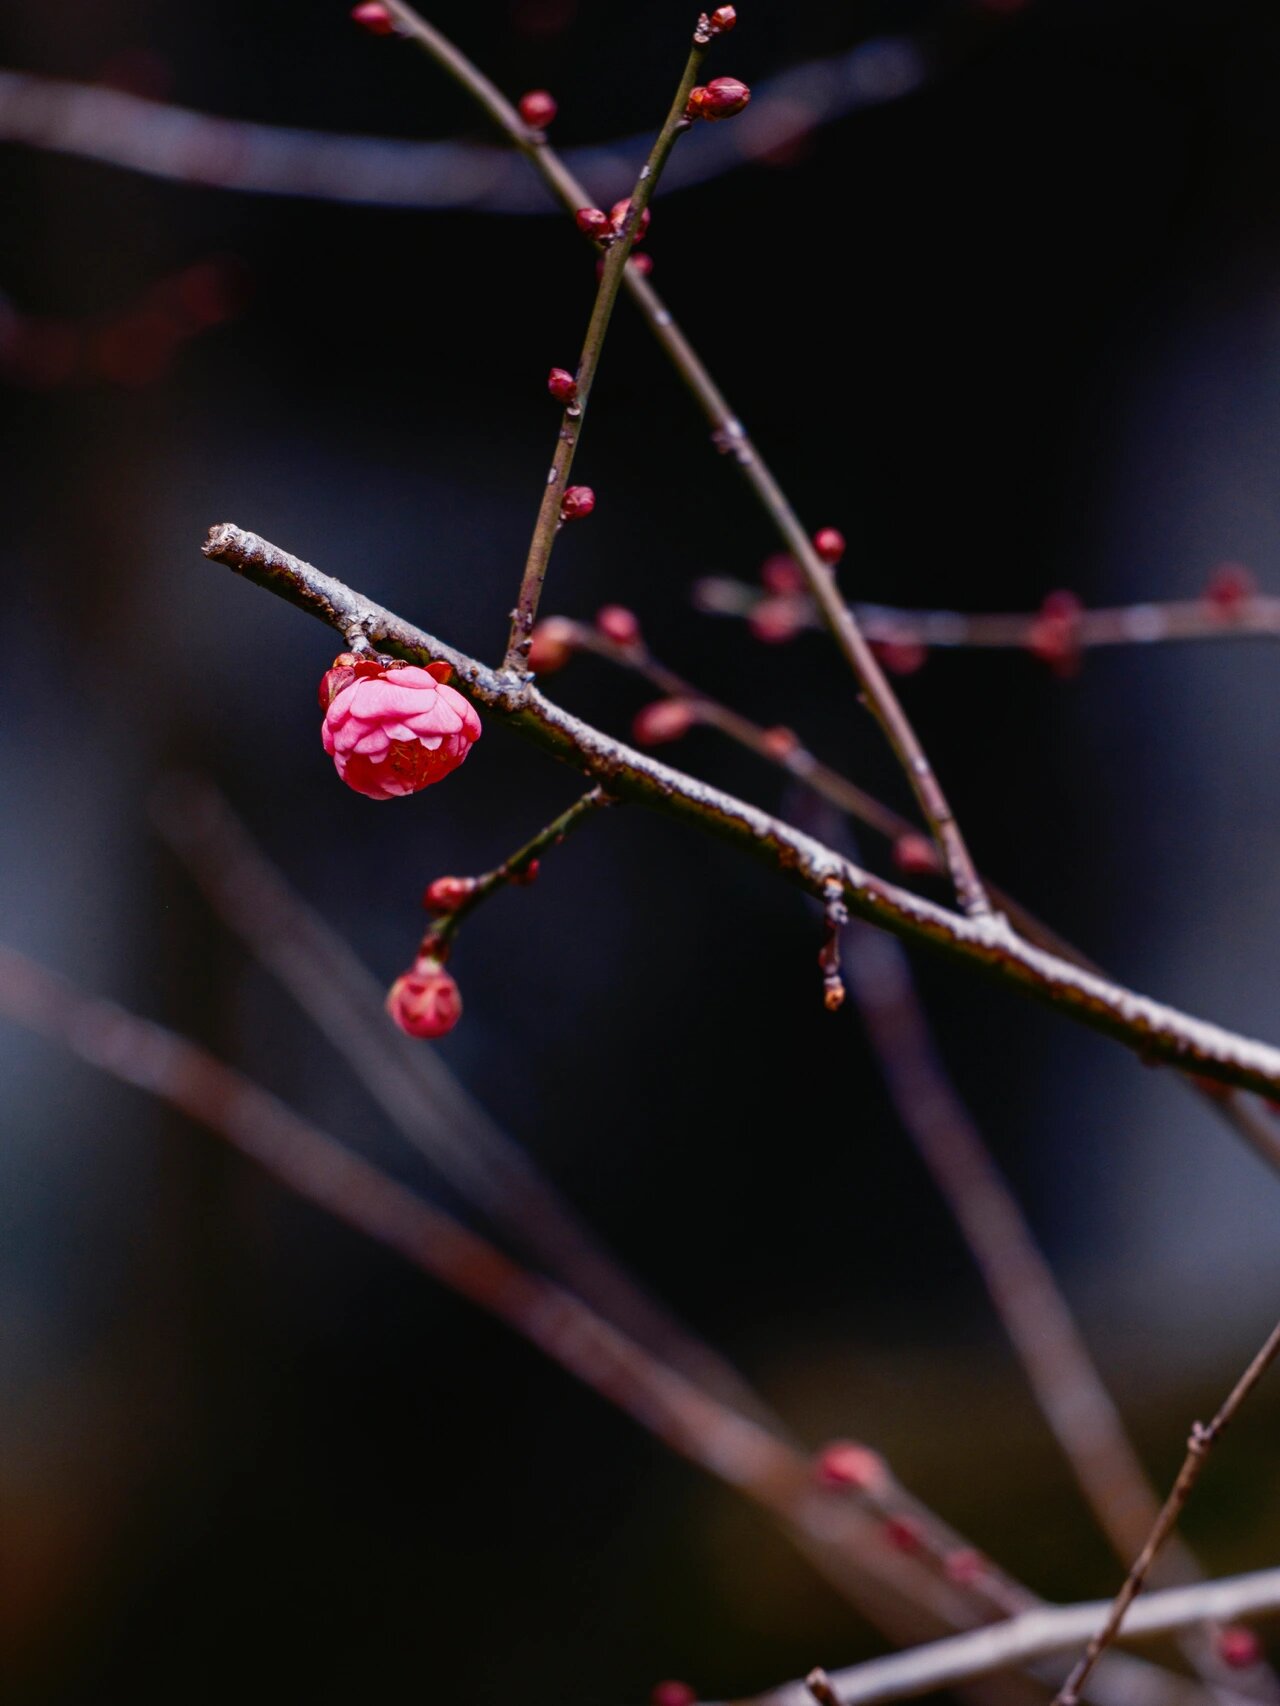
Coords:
1238,1647
1229,586
425,1002
538,108
915,855
721,98
619,624
551,645
775,621
577,502
593,222
1054,636
375,18
562,385
781,742
618,218
828,542
527,873
965,1567
672,1694
903,1533
723,19
900,657
781,573
664,720
446,894
853,1467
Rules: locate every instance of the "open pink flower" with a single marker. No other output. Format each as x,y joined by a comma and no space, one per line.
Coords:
393,730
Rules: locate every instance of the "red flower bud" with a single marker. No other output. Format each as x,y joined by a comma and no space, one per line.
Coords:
723,19
903,1533
900,657
915,855
375,18
643,264
562,386
781,573
618,218
527,873
425,1002
828,542
619,624
775,620
781,742
577,502
1229,586
721,98
672,1694
846,1464
1238,1647
538,108
1054,636
393,730
664,720
965,1567
446,894
593,222
551,645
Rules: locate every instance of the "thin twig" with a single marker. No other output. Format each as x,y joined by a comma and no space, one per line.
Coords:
1199,1444
1038,1633
1153,1030
520,866
549,520
731,436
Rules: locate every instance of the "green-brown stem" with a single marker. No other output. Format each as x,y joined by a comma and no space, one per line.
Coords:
518,868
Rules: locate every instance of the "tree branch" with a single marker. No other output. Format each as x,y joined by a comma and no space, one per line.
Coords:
1153,1030
1199,1445
1039,1633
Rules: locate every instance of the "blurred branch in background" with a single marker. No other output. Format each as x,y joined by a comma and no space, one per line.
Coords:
118,128
888,1581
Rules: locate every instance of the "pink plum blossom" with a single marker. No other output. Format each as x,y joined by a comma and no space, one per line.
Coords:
393,730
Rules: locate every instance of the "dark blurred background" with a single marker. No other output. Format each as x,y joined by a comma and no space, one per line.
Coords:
1016,328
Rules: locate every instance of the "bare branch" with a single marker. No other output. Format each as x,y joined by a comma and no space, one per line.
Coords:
1199,1445
1035,1634
1155,1031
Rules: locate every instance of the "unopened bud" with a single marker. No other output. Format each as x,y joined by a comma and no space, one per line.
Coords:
915,855
664,720
538,108
618,218
577,502
593,222
828,542
619,624
562,385
551,645
375,18
446,894
425,1002
855,1467
723,97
